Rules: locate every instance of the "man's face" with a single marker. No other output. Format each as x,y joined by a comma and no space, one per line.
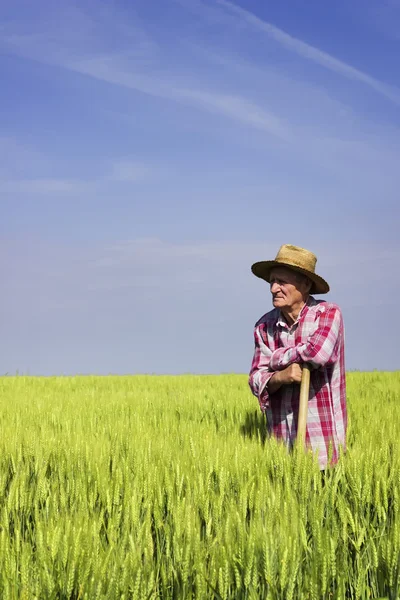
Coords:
288,288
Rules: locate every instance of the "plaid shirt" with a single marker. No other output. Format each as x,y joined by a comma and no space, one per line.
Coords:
316,338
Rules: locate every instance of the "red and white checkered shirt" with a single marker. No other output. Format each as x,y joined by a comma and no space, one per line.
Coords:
316,338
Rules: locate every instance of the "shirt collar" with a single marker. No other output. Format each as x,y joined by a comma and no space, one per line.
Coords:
281,320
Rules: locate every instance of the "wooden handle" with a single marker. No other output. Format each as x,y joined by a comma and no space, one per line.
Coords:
303,407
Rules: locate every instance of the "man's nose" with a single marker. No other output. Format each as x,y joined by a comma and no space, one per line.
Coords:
274,287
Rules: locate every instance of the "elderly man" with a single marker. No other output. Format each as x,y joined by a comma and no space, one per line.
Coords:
300,330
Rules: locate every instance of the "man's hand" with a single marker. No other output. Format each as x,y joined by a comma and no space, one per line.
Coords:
292,374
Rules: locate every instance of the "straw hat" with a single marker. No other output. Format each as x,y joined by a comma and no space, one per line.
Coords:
295,258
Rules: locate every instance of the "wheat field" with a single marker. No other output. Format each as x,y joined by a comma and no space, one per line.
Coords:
166,487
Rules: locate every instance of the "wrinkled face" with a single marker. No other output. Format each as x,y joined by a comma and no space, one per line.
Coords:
289,289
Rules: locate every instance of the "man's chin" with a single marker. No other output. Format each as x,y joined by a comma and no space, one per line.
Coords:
278,303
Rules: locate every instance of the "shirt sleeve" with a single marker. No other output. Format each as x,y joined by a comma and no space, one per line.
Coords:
260,373
320,349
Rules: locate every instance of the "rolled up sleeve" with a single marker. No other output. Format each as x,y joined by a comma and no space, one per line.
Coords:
320,349
260,373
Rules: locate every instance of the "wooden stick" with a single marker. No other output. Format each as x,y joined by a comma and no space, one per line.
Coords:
303,406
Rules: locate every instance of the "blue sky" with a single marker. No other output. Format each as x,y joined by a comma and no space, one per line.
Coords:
152,151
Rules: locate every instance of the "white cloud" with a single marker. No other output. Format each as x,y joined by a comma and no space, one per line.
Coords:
232,106
121,171
296,120
122,69
240,109
131,171
45,186
312,53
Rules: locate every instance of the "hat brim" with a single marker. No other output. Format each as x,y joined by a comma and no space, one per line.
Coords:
263,271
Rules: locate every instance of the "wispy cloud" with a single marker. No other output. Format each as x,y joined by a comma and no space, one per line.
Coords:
44,186
137,63
130,171
121,171
240,109
125,70
311,52
232,106
297,118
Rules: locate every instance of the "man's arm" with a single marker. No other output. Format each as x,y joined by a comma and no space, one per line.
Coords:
263,381
321,348
259,373
292,374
